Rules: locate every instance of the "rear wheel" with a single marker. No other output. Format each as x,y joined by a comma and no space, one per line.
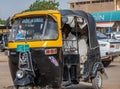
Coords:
97,81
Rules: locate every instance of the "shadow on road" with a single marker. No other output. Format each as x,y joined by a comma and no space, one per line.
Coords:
81,86
112,66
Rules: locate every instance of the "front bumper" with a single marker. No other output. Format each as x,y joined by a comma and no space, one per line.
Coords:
114,54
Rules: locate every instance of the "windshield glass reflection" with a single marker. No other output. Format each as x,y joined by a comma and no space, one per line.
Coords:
34,28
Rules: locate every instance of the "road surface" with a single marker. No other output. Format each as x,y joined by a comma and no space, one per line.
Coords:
113,71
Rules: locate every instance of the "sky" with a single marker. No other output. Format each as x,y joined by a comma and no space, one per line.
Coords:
10,7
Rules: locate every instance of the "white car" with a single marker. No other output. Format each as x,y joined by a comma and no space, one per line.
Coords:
117,35
104,47
114,35
109,48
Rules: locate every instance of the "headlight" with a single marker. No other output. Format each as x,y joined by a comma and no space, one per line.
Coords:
103,45
20,74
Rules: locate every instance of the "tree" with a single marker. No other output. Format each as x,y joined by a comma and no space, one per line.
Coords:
44,5
2,21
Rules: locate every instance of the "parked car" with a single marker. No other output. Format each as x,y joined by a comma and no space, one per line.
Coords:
114,35
109,48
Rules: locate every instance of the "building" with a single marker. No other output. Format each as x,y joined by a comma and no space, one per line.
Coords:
95,5
105,12
107,20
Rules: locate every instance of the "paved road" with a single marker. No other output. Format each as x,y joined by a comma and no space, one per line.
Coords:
5,78
113,72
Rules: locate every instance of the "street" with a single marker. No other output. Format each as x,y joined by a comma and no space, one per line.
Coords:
113,71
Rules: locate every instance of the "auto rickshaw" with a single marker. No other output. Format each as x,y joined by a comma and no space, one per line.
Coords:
4,31
54,49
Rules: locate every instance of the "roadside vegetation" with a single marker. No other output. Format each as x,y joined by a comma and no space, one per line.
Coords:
44,5
2,22
38,5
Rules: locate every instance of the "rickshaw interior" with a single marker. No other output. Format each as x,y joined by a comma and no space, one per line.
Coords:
80,47
75,46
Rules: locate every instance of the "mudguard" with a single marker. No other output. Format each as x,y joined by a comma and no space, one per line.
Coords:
98,66
24,81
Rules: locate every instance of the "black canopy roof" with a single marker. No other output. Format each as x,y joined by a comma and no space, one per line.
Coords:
93,43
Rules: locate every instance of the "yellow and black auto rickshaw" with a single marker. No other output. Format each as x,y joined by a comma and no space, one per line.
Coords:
4,31
54,49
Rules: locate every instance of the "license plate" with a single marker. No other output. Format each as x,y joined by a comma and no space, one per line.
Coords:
23,48
117,46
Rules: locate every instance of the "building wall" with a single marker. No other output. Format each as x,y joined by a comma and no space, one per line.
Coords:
118,5
96,5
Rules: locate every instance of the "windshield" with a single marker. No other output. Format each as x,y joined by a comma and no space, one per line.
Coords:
101,35
34,28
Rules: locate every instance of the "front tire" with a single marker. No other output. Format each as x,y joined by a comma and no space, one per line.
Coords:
97,81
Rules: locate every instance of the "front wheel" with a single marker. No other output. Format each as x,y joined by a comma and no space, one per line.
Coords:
97,81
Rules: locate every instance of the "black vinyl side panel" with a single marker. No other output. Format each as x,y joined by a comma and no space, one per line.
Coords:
48,72
93,57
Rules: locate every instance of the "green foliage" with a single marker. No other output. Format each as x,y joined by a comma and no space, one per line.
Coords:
2,21
44,5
